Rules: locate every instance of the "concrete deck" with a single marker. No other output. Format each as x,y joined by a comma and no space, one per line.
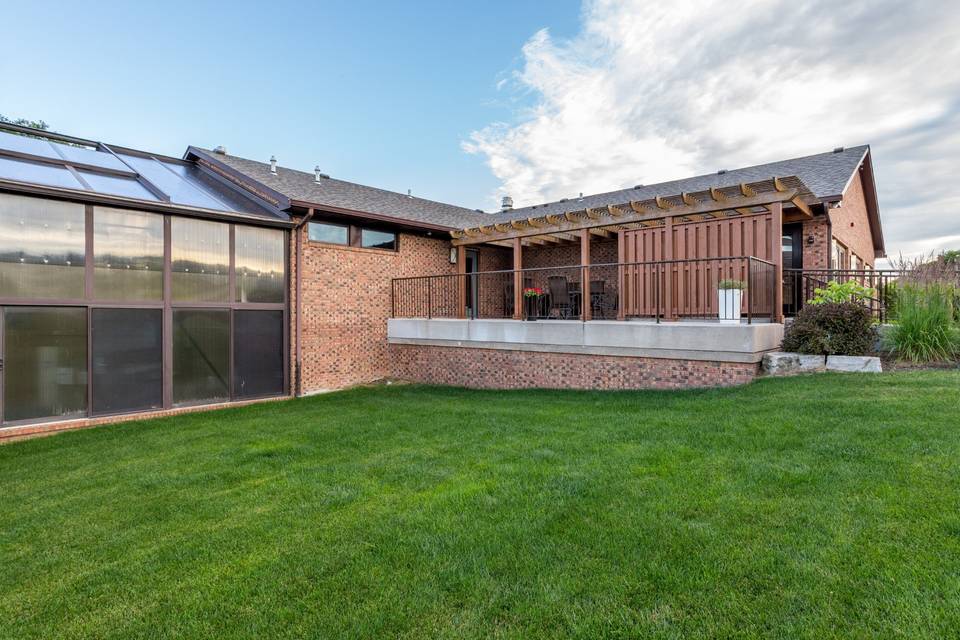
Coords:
675,340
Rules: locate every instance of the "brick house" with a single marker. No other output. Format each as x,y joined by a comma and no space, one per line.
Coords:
133,284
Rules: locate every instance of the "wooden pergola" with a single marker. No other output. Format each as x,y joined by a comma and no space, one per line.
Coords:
786,199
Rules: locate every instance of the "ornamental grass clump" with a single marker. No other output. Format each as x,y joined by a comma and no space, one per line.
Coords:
926,328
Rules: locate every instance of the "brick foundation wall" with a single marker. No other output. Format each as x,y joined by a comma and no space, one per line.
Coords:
506,369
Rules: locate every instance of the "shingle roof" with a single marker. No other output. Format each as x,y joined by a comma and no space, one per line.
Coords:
825,174
300,185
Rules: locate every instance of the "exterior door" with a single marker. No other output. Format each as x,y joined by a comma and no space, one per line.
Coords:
473,259
792,247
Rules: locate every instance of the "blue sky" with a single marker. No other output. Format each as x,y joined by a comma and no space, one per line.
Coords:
381,93
464,102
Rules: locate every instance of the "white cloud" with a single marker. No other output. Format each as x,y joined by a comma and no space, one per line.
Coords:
651,91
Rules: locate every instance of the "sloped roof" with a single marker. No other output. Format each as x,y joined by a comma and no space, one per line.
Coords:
824,174
340,194
89,169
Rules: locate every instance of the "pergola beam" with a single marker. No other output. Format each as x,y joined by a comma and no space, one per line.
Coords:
574,221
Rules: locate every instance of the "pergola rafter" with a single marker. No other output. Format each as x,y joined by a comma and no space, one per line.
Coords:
744,199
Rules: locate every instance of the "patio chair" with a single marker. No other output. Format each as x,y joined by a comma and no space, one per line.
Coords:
561,303
600,304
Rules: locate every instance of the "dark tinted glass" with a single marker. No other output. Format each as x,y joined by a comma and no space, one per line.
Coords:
258,353
201,356
127,255
45,362
259,264
200,254
42,248
378,239
332,233
127,359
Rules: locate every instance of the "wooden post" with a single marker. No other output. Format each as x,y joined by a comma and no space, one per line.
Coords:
667,255
517,280
586,313
461,287
776,257
621,275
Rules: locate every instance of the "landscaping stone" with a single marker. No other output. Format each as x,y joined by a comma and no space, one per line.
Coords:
865,364
780,363
812,363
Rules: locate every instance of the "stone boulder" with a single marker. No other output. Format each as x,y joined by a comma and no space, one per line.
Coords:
781,363
858,364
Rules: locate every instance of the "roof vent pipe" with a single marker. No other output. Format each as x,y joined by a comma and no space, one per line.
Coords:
581,197
273,165
222,150
409,193
316,173
506,204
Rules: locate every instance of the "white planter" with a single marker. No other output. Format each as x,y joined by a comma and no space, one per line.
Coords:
728,305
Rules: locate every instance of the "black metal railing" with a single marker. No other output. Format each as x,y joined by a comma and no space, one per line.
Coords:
659,290
800,285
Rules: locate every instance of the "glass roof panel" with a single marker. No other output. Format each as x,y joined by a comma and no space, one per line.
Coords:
91,157
117,186
23,144
50,175
172,183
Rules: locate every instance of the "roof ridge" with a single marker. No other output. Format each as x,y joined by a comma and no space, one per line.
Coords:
310,175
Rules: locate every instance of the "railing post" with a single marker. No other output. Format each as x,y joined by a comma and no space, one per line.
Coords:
749,290
429,298
668,265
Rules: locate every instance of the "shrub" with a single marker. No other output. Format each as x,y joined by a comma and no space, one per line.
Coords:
926,329
832,328
849,291
731,284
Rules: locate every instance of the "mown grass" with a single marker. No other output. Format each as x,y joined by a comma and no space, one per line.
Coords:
813,507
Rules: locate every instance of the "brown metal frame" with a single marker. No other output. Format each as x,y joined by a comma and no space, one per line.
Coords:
166,305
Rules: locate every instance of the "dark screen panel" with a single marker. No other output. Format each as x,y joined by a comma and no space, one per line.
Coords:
45,363
201,355
127,359
258,353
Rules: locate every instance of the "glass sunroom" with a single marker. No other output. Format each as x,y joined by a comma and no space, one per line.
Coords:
131,282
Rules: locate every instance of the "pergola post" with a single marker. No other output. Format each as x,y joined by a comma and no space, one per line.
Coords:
776,256
461,282
667,275
621,276
586,313
517,280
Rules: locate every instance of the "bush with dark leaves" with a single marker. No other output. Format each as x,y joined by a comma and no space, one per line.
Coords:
836,328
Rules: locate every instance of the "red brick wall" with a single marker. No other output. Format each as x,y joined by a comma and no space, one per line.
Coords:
816,255
347,300
507,369
851,225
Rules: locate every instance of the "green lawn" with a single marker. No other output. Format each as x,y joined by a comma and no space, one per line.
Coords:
814,507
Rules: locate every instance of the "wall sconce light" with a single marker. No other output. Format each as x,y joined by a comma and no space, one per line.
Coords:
453,255
810,240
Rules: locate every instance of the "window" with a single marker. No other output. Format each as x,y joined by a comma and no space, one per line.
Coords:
258,353
42,248
371,239
127,359
840,258
45,362
201,355
127,255
332,233
260,264
200,254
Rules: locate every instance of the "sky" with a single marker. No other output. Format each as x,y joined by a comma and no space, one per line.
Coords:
465,102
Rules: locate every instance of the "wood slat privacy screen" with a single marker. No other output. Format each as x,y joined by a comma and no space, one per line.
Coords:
689,289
